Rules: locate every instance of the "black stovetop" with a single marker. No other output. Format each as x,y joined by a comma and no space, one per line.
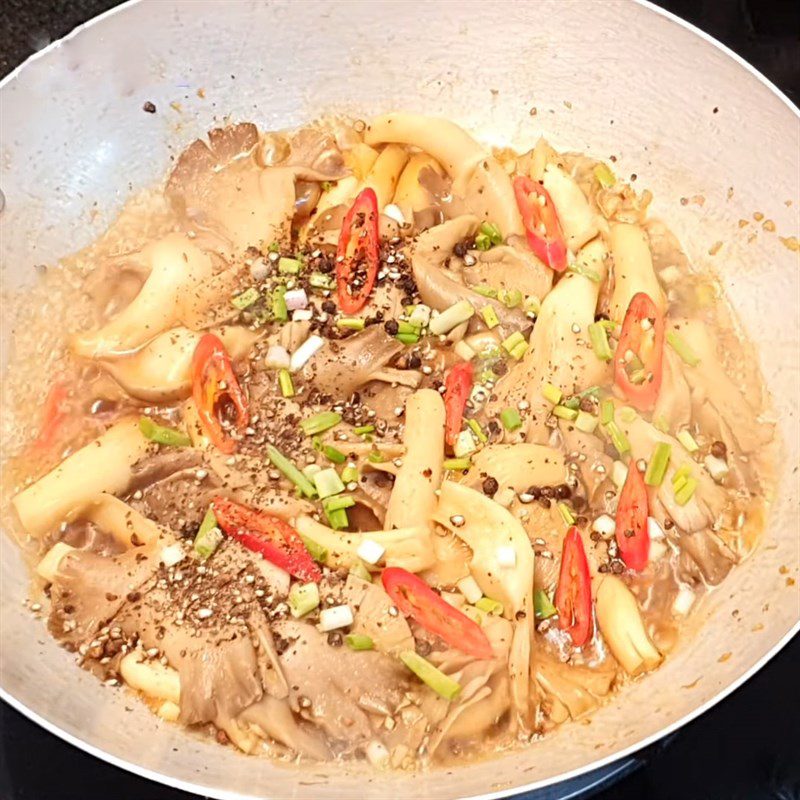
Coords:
746,748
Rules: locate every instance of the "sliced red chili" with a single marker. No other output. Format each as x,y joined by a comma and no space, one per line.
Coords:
573,597
416,599
55,412
357,255
457,386
217,393
632,508
540,219
638,362
269,536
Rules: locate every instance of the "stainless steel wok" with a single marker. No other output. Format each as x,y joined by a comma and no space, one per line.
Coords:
605,77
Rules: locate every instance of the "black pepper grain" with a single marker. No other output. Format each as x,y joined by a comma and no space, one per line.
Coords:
718,450
490,486
391,327
149,107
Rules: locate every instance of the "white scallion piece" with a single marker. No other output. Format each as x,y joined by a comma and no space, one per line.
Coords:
420,316
277,357
305,352
451,317
172,554
302,315
464,444
394,212
377,753
654,529
330,619
463,350
454,599
619,474
296,299
605,525
717,468
469,588
370,551
657,550
683,601
506,556
49,564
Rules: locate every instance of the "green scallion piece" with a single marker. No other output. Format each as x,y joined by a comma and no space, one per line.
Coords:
490,606
563,412
310,470
320,422
660,423
490,317
442,684
618,438
566,513
350,475
245,299
407,338
491,230
319,280
316,550
351,323
519,351
511,298
303,598
688,441
279,310
627,414
475,427
375,457
362,430
552,394
686,491
407,327
679,345
289,266
585,272
338,501
360,571
605,177
359,641
208,537
606,412
281,463
484,290
515,340
682,473
274,247
285,382
542,605
532,305
659,461
337,519
328,483
483,242
456,464
572,402
511,419
598,336
161,435
586,422
333,454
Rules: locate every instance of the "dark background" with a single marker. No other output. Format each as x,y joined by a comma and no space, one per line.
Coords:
747,748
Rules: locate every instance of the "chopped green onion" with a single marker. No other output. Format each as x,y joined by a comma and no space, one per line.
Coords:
317,551
208,536
451,317
361,430
351,323
586,422
488,376
490,317
512,342
407,327
327,185
680,346
161,435
442,684
463,350
245,299
274,247
320,422
519,351
483,242
490,606
319,280
280,462
618,438
475,427
608,324
420,316
360,571
456,464
627,414
542,605
375,457
310,470
532,305
279,310
328,483
407,338
289,266
333,454
688,441
484,290
657,468
359,641
660,423
285,382
585,272
552,394
681,474
592,391
572,402
337,519
606,412
686,491
339,501
490,230
350,474
303,598
465,444
566,513
562,412
511,298
605,177
599,339
510,419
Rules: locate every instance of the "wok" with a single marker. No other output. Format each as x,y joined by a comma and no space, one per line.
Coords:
686,115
